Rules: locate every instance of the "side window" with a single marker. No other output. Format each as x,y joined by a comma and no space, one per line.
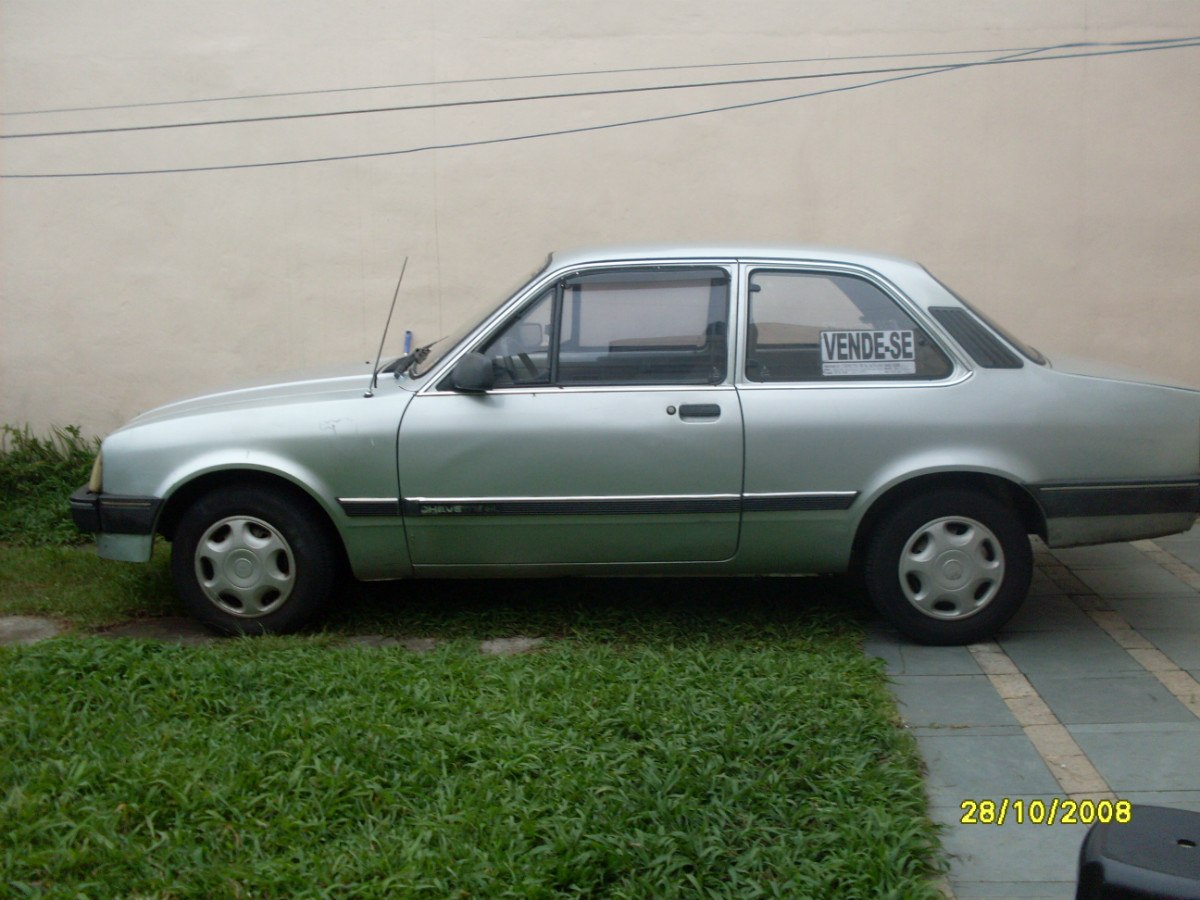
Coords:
520,353
811,326
649,326
631,326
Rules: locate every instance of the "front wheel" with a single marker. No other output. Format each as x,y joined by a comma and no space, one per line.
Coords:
253,561
949,567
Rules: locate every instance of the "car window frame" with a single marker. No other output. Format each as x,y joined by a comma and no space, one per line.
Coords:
960,369
645,274
507,313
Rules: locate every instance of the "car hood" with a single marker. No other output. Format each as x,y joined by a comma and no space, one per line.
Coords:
347,380
1114,372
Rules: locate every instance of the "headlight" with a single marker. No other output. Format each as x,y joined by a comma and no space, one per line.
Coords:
96,481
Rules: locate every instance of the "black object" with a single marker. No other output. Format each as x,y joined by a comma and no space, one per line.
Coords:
1154,854
113,513
981,344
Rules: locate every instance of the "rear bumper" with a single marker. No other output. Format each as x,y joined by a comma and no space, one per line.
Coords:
1093,513
1130,498
114,513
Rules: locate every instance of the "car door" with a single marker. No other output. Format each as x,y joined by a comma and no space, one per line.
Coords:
838,381
611,435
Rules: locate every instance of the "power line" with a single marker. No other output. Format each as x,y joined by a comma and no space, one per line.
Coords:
1022,57
1169,43
503,78
487,101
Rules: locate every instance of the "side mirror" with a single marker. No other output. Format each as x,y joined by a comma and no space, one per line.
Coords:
473,374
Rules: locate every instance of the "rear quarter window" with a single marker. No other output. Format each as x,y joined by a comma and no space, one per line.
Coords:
826,327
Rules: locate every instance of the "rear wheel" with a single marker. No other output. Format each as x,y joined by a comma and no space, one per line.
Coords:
253,561
949,567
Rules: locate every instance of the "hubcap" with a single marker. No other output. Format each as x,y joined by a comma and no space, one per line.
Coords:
245,567
951,568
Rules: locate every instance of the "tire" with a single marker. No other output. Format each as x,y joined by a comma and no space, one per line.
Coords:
951,567
253,561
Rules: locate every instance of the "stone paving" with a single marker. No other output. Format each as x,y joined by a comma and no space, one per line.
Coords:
1091,693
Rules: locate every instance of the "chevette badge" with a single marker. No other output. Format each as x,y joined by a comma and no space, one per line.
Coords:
442,509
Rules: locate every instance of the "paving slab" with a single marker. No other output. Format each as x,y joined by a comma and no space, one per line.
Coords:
1043,585
918,660
510,646
1186,551
968,765
1170,612
1130,581
1189,800
1186,543
950,701
1017,890
26,629
1102,556
1129,697
1033,860
1051,612
1086,650
1144,757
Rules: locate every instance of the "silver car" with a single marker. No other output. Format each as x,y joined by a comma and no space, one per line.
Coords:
678,410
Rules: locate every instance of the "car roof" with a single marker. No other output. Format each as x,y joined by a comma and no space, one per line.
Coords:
789,253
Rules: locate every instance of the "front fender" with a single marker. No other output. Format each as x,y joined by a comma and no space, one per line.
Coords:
329,450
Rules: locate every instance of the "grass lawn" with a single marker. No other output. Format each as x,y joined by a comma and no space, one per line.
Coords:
670,737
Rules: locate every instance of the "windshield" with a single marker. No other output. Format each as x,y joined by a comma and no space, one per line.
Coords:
1030,353
452,340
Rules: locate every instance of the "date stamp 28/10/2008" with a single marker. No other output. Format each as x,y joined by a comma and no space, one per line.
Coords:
1055,811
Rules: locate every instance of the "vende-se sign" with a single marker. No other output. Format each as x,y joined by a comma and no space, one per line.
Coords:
868,353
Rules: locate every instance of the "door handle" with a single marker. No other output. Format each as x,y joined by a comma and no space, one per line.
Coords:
699,411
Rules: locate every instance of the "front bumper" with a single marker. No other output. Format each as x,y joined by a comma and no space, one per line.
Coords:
114,513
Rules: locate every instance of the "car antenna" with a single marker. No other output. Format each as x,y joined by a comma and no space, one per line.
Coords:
375,369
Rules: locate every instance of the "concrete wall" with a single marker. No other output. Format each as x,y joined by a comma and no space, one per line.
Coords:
1062,196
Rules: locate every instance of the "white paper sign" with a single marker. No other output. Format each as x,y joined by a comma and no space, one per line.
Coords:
868,353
